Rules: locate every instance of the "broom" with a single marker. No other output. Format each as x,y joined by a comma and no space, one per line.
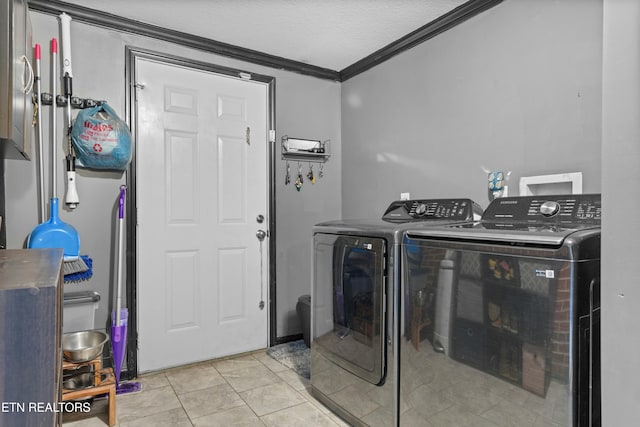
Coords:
55,233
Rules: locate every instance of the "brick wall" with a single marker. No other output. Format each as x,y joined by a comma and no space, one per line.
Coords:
561,325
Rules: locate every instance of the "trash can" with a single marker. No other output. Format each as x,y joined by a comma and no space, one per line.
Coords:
304,315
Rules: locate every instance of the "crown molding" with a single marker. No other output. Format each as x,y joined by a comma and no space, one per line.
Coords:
114,22
422,34
118,23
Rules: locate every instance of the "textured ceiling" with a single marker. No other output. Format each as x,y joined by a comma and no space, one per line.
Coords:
326,33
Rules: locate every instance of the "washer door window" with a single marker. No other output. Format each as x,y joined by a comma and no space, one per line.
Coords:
349,277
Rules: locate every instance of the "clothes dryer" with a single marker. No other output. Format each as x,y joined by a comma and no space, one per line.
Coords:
355,321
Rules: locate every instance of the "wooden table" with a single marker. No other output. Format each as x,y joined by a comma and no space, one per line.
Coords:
104,383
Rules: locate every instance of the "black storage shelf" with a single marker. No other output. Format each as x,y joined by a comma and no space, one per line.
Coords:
515,328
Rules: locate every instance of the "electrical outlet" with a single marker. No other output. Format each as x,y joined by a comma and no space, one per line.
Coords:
405,196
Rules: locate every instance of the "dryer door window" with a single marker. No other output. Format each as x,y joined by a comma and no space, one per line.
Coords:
349,303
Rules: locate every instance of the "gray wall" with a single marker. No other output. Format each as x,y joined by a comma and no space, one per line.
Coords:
621,224
305,107
313,115
517,88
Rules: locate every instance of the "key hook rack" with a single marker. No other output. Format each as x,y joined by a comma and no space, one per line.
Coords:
308,150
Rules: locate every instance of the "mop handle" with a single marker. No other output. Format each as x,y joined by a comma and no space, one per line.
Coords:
123,193
54,89
43,201
123,190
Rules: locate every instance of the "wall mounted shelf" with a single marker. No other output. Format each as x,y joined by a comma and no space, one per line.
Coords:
305,149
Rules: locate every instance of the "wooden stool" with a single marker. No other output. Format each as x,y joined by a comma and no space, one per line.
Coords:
104,383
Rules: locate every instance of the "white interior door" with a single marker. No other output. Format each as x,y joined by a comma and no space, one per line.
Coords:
201,183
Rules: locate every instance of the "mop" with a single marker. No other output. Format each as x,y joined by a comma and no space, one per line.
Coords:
120,314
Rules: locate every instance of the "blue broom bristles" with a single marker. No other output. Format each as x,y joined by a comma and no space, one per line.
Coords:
82,275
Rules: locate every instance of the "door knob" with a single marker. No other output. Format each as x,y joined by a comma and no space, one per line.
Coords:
261,234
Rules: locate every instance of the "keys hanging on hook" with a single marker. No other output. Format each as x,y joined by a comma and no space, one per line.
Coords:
299,179
321,172
287,177
310,175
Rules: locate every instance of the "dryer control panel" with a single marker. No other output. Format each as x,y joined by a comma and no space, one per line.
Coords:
432,209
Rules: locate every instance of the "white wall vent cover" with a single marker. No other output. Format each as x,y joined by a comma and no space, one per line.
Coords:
549,184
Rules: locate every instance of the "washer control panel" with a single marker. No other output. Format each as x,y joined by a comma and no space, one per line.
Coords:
432,209
564,209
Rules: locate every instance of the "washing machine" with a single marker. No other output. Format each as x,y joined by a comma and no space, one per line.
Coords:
355,296
505,322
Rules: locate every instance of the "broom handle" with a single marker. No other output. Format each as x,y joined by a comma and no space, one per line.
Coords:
39,145
123,190
54,90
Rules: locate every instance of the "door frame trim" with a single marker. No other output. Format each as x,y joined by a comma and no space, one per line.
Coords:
131,55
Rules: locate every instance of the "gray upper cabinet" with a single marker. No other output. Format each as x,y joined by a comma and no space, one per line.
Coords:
16,80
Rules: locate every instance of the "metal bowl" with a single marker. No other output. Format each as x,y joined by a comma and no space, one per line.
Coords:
78,379
83,346
82,380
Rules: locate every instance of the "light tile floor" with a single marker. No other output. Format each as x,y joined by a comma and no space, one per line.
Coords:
247,390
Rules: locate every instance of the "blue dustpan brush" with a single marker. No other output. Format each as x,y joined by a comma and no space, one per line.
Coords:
56,234
76,274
